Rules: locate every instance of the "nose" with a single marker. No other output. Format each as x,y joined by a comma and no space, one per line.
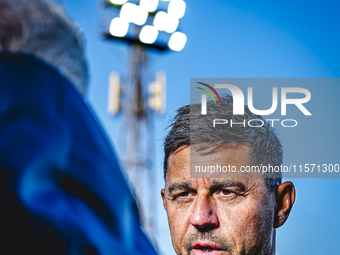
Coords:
204,217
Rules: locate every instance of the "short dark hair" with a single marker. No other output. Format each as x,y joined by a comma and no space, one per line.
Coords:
265,146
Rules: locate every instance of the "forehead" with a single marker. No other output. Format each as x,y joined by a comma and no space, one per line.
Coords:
179,160
225,154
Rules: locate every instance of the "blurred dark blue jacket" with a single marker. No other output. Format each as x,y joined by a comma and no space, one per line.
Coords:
61,188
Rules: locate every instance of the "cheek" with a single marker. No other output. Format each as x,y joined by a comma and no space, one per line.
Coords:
179,221
242,224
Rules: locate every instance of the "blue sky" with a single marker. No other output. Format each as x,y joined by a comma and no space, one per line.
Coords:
246,39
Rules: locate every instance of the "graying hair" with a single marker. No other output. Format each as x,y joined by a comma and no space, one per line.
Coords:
43,30
190,127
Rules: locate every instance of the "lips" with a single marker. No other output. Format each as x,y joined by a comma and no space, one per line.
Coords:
202,248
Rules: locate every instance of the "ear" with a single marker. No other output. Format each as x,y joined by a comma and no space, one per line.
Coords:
285,197
163,197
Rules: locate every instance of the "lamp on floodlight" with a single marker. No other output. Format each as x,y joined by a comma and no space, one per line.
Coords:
148,34
152,23
118,2
119,27
149,5
177,41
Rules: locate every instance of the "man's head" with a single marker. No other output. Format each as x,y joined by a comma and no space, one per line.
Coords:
44,31
223,215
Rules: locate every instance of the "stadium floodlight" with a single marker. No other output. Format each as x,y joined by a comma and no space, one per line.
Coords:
165,22
119,27
149,5
176,8
118,2
147,22
148,27
177,41
148,34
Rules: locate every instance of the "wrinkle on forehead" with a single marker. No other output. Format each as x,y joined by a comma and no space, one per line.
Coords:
179,160
225,152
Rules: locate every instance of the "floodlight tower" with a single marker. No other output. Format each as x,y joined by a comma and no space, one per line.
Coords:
145,25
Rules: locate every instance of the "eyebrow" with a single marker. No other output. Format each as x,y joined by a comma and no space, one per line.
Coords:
227,183
179,186
216,184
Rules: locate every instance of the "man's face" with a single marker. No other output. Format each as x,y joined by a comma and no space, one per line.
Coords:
218,215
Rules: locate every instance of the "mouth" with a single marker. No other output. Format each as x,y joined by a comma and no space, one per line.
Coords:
207,249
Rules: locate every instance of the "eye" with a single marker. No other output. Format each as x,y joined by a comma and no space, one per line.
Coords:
183,194
226,192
